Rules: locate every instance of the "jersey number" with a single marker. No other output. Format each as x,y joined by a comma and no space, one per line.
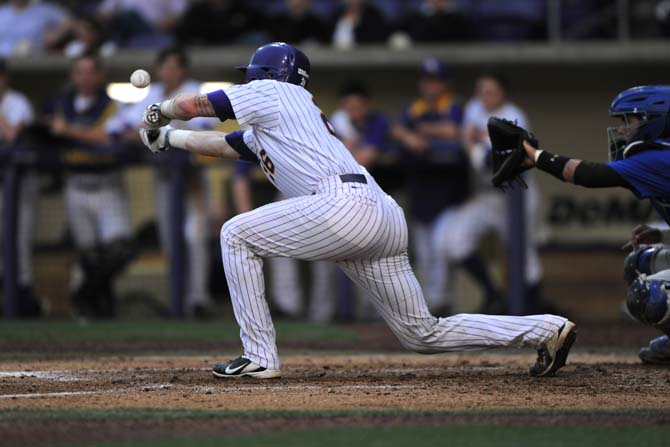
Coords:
267,165
329,127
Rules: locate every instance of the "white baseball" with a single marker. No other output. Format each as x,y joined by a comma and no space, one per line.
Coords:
140,78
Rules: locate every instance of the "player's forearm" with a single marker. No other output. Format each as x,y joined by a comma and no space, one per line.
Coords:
185,106
579,172
210,143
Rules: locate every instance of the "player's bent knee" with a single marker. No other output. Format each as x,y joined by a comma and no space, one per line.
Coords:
229,232
419,340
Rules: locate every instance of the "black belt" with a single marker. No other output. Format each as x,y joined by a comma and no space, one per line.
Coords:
353,178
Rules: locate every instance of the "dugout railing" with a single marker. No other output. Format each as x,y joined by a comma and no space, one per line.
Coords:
17,159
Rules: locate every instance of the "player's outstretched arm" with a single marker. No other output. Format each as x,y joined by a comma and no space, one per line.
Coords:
185,106
210,143
182,107
572,170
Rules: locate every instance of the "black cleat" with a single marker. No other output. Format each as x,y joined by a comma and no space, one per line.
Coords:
552,356
241,367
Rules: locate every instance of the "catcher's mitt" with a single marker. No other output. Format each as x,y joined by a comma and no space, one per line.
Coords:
508,152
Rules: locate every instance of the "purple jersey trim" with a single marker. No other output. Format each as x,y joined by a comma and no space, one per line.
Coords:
236,141
221,104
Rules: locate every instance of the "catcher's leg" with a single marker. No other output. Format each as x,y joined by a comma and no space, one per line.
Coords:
647,301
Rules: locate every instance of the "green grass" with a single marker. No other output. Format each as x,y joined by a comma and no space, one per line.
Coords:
42,414
460,434
159,331
452,435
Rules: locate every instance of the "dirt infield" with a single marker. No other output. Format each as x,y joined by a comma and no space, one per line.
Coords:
489,387
320,382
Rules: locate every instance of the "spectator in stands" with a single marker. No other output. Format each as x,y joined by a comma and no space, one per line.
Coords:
438,21
172,70
145,23
428,133
510,20
358,22
85,35
217,22
95,197
26,26
15,114
298,25
592,19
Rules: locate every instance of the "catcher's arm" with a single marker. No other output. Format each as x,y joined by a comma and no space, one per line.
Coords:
572,170
646,235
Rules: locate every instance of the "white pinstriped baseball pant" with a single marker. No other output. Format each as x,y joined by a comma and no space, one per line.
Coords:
364,231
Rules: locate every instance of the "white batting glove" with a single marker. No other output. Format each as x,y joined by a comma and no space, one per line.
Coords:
153,118
157,140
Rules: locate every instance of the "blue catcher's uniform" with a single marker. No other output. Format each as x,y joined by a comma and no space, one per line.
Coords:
639,153
648,174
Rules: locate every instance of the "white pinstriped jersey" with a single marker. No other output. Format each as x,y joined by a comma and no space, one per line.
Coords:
352,222
289,134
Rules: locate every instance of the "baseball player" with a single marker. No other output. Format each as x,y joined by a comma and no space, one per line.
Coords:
172,66
428,133
460,229
639,161
335,211
95,196
15,114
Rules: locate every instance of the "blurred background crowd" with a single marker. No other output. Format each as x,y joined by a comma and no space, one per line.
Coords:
434,154
430,149
73,27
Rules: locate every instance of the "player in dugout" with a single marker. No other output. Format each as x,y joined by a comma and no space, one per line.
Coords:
102,234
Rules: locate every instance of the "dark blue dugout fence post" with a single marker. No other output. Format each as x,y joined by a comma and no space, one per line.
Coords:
516,249
177,161
9,246
344,311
